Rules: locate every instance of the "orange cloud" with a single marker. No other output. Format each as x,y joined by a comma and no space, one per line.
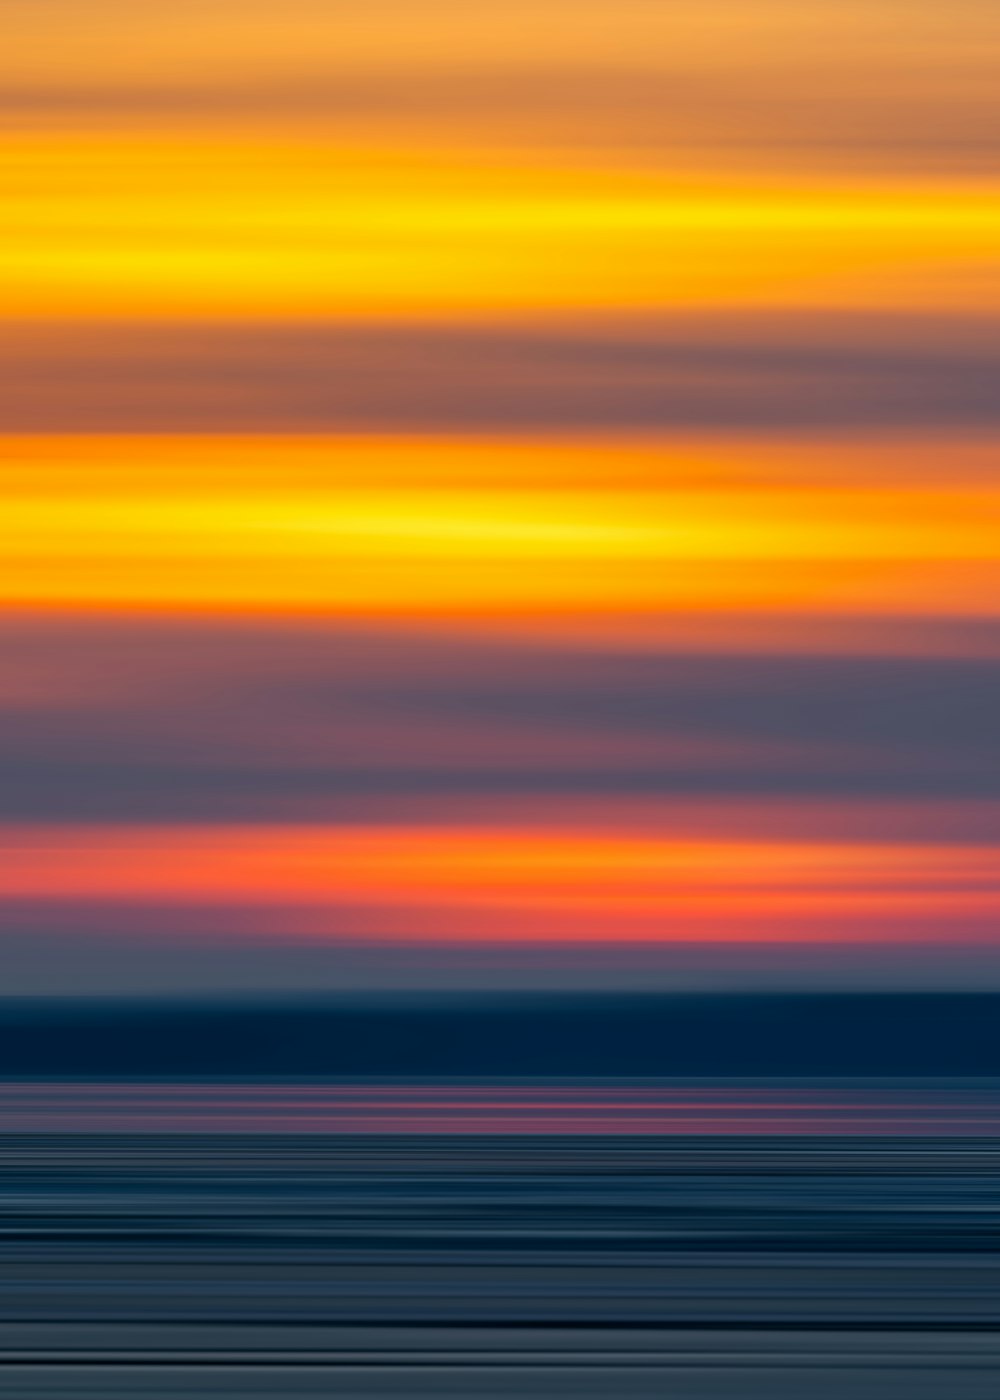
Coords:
513,883
162,225
695,538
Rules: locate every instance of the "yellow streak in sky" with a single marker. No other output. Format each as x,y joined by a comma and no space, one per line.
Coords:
457,527
157,226
687,540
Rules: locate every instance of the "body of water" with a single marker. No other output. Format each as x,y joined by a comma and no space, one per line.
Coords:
703,1241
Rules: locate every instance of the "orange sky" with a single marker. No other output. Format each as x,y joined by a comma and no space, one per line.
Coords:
212,523
670,331
150,226
513,884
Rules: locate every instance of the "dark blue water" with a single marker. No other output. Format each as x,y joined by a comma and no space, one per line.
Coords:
713,1241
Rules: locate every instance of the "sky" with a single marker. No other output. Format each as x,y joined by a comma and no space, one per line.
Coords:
499,496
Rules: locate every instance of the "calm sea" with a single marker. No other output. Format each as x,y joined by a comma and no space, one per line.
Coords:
695,1240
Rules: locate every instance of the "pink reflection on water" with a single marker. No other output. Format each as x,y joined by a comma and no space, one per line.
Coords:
604,1108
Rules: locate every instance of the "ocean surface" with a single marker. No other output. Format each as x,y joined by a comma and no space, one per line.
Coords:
718,1241
611,1106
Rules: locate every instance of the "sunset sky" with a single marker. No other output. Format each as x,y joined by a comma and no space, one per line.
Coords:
499,495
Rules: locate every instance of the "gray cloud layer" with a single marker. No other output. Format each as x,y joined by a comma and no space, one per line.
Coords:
70,951
731,373
106,721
